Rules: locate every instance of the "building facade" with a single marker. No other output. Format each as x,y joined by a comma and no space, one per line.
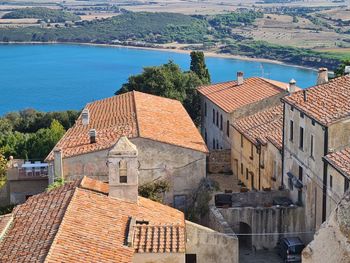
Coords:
224,103
257,149
316,123
170,146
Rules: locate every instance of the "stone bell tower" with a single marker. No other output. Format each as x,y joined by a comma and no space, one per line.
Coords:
123,171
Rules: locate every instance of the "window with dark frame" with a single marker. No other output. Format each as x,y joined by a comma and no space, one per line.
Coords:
251,152
301,138
221,124
217,144
242,168
291,108
123,166
312,145
302,115
228,128
346,184
330,181
246,174
213,116
213,143
217,119
291,131
205,136
313,122
241,141
205,109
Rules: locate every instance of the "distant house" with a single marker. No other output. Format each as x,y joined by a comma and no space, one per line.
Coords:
316,123
224,103
257,149
90,221
169,144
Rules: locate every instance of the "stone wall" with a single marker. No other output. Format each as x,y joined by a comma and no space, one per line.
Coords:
4,195
331,242
219,161
210,246
256,199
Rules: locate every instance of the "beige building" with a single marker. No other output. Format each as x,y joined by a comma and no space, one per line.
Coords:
316,123
169,144
256,150
224,103
90,221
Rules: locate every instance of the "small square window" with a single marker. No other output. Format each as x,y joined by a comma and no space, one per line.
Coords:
313,122
291,108
301,115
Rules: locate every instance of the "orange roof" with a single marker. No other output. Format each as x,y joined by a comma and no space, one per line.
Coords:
75,223
326,103
340,160
266,125
133,114
230,96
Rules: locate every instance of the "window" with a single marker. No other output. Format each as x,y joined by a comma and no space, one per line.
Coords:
217,119
312,146
291,108
291,131
251,151
213,143
123,172
205,136
301,174
221,122
275,170
301,115
313,122
346,184
290,183
205,109
262,161
246,173
213,116
190,258
241,168
301,138
330,181
228,128
217,144
241,141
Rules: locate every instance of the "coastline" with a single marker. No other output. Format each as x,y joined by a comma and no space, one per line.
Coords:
163,49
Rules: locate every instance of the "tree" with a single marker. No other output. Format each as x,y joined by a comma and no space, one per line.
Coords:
340,71
168,81
3,168
199,67
154,190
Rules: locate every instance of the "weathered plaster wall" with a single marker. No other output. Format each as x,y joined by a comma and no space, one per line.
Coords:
183,168
212,130
267,220
159,258
22,188
312,192
4,195
339,134
331,242
210,246
336,192
271,174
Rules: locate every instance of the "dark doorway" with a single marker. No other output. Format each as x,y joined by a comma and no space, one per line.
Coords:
191,258
244,236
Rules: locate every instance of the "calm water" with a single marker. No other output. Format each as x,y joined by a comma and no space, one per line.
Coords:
60,77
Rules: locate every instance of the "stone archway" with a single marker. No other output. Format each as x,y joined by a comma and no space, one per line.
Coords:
244,235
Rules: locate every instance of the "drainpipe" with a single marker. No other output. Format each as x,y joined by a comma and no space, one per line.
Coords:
324,199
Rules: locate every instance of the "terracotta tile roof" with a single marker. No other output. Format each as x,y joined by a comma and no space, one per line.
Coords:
326,103
340,160
229,96
266,125
34,226
133,114
76,223
159,239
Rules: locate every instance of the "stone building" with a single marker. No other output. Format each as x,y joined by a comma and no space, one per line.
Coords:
331,242
338,177
316,123
87,220
225,102
256,150
169,144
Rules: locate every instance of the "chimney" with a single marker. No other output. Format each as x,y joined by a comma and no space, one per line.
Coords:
347,70
322,77
305,95
292,85
123,171
92,135
85,116
240,78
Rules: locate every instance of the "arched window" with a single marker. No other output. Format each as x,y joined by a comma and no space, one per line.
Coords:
123,176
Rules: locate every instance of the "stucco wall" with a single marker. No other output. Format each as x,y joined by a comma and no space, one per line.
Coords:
211,129
183,168
272,172
159,258
336,192
331,242
312,192
210,246
4,195
22,188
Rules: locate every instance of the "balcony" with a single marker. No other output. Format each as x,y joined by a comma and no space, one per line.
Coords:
28,171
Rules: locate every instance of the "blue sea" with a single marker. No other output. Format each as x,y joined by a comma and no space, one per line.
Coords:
59,77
